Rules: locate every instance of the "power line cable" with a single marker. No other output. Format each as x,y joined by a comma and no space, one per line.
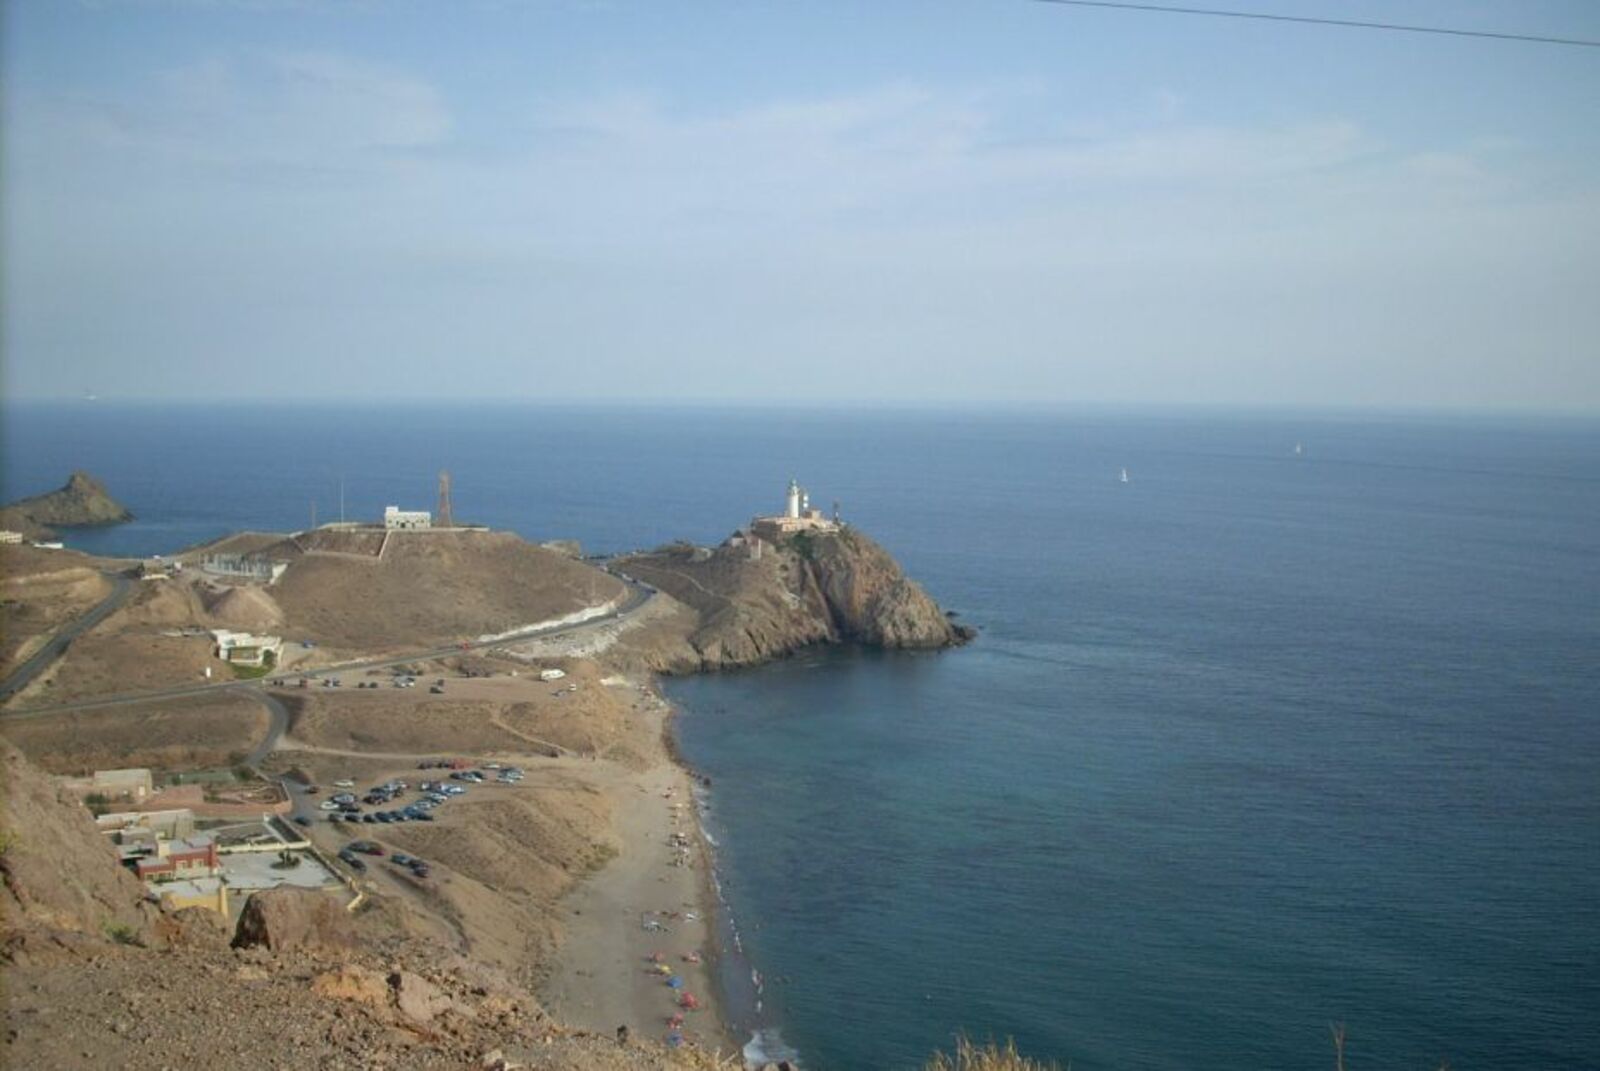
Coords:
1312,20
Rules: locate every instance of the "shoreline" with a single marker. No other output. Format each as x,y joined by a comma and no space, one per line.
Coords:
643,907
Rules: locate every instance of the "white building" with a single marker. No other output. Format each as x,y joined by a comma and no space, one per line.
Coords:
243,567
8,536
395,517
797,516
246,649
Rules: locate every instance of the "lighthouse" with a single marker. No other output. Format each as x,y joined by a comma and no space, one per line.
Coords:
797,516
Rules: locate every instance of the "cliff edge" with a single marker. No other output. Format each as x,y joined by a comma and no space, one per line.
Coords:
59,877
82,502
756,600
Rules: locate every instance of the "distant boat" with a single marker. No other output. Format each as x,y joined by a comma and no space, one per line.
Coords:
1124,475
1299,450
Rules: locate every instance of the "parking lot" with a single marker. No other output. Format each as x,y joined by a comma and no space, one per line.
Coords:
358,812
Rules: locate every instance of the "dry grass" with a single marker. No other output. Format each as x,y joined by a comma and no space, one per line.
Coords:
987,1057
435,587
179,734
32,606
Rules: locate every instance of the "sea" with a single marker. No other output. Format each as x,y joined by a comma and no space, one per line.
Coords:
1295,729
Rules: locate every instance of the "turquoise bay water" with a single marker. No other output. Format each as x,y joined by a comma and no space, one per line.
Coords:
1251,743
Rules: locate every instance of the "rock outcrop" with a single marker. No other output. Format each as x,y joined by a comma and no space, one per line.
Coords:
755,604
82,502
62,880
288,919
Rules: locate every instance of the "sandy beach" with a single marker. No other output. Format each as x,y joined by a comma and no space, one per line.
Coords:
645,917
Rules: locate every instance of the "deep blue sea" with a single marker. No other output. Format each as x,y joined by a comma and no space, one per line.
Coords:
1251,743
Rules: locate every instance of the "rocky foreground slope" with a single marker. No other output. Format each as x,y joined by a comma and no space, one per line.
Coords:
94,976
83,502
757,601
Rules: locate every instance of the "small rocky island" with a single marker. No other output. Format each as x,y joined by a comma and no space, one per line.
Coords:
83,502
787,582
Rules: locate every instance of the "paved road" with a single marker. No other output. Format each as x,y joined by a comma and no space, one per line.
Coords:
278,725
638,595
121,588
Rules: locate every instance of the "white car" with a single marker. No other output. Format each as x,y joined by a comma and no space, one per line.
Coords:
328,805
344,784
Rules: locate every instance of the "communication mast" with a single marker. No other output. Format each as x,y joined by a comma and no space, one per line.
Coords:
442,516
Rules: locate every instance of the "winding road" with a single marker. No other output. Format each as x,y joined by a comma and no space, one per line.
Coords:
121,587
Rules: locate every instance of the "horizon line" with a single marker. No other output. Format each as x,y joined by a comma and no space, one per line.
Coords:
827,405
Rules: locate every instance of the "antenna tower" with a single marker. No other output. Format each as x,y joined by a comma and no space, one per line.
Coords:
443,519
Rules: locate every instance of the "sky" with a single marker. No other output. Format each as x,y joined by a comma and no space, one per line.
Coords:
922,202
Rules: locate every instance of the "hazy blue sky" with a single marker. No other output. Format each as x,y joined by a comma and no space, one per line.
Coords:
899,201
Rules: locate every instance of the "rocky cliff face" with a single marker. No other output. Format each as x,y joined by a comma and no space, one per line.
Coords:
62,882
82,503
821,587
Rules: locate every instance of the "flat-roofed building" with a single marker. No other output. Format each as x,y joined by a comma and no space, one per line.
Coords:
396,518
247,649
146,826
181,858
209,893
134,784
249,567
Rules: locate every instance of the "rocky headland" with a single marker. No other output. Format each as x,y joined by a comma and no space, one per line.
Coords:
756,599
82,502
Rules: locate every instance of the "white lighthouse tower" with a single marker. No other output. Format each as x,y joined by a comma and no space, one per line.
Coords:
792,507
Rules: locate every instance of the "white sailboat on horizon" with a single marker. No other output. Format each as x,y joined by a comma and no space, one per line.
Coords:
1124,475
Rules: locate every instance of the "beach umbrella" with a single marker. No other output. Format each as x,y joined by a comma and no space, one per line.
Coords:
675,982
688,1000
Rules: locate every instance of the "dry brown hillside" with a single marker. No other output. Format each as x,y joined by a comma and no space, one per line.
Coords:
175,734
94,978
41,590
62,880
434,587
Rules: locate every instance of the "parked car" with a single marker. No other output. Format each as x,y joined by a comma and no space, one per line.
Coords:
347,783
402,859
302,820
